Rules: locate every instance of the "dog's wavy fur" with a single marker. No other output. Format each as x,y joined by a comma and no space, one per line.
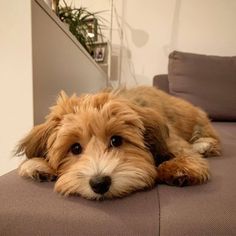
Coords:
164,140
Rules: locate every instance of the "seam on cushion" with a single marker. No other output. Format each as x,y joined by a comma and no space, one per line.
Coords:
159,206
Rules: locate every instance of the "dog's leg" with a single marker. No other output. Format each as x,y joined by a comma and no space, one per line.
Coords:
207,146
205,140
37,169
187,167
183,171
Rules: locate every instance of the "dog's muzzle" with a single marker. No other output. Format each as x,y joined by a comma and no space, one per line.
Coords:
100,184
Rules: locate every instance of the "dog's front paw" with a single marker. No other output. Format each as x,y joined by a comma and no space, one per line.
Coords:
176,174
43,176
37,169
179,179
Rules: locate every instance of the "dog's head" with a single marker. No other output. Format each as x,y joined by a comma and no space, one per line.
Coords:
100,145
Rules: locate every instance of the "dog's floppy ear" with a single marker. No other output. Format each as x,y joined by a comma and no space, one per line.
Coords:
35,143
155,135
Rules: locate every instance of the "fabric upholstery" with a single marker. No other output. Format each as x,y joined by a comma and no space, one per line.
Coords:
208,209
161,82
206,81
28,208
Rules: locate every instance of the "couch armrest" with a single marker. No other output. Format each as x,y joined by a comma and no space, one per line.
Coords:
161,82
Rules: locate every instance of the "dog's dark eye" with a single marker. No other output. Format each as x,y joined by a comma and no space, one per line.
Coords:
116,141
76,148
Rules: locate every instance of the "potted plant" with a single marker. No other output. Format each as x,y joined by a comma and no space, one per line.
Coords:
84,25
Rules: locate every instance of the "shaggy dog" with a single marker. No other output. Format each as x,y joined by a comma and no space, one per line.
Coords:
113,143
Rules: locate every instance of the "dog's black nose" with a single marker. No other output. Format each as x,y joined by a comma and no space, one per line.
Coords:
100,184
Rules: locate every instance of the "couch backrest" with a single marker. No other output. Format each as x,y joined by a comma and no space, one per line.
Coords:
206,81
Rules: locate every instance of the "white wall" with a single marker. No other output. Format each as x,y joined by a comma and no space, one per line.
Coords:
153,28
205,26
16,116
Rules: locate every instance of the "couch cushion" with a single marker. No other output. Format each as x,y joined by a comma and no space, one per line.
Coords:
206,81
208,209
30,208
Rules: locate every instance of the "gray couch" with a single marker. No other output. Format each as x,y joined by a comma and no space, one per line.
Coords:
30,208
208,209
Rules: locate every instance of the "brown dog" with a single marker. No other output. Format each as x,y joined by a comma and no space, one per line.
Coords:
113,143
